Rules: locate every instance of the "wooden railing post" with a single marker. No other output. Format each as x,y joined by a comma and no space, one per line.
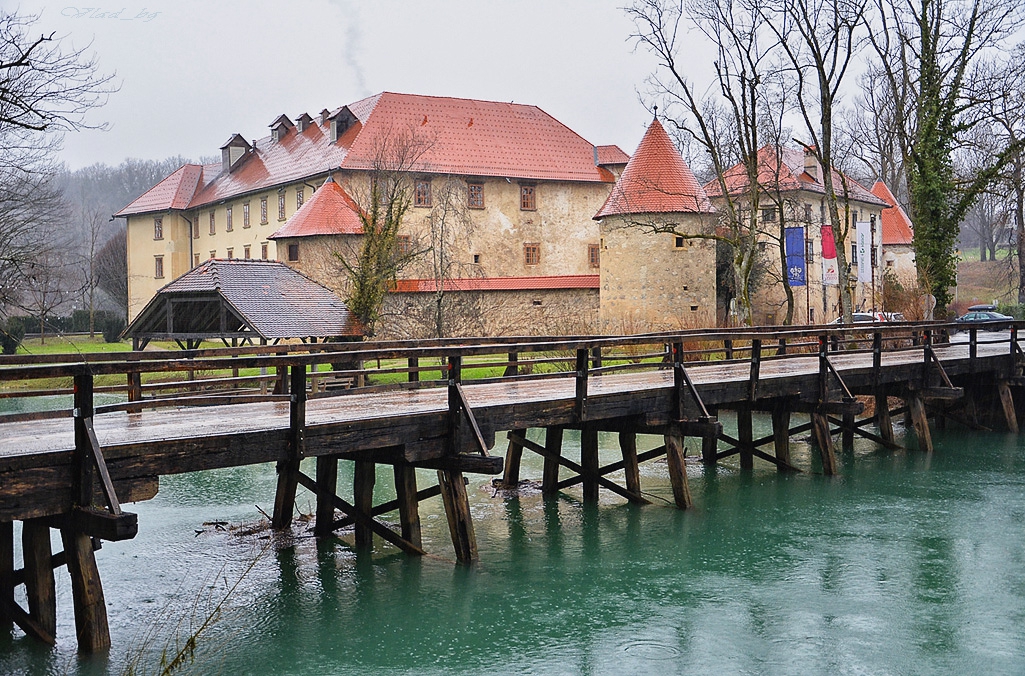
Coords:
823,369
512,368
756,363
581,377
288,469
455,376
82,472
414,374
727,346
596,357
877,357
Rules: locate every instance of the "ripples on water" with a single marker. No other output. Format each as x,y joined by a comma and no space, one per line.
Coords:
902,565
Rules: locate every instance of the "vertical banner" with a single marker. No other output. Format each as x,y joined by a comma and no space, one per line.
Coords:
794,242
863,230
830,274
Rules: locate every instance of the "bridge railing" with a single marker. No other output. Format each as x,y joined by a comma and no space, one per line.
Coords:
161,378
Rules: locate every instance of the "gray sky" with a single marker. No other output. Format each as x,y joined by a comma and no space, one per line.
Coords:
193,73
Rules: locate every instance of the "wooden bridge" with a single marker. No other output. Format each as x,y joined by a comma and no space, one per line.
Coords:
446,402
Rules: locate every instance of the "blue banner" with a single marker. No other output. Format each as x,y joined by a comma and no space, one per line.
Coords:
795,257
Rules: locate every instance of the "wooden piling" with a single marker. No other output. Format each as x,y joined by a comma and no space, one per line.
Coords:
628,445
824,441
327,486
916,407
589,461
457,509
39,583
288,469
511,477
6,572
409,513
745,435
87,592
883,420
781,434
677,467
847,433
1007,403
553,444
364,477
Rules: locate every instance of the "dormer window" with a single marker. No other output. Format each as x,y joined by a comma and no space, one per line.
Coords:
233,152
303,122
340,122
279,127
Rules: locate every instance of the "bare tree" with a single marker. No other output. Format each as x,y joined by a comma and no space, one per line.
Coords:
110,266
819,38
725,125
933,55
50,284
384,194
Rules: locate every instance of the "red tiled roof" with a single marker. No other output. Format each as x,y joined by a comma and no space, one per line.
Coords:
896,225
465,137
786,170
498,283
611,155
330,211
656,181
174,192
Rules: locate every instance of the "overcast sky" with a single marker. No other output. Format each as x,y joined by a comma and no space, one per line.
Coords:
194,73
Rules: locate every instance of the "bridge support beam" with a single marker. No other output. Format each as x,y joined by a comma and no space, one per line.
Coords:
40,586
364,478
87,592
553,449
513,455
921,423
589,461
327,486
824,441
409,512
677,468
847,433
628,445
457,509
781,434
883,420
1007,403
745,435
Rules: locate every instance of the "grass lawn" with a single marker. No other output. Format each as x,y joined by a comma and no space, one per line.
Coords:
74,344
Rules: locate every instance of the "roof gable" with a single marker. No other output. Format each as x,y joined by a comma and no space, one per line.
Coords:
330,211
897,228
174,192
656,180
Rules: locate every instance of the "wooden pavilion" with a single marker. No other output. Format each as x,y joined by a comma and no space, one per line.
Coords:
242,302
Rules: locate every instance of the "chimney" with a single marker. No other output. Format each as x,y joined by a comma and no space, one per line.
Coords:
811,165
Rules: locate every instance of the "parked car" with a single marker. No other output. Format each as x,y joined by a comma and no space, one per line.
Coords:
985,307
987,320
862,318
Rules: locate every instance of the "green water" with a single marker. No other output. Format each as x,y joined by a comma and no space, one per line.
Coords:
903,565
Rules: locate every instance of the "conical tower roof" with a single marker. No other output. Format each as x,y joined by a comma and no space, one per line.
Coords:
656,180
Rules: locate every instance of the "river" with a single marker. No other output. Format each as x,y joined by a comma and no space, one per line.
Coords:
904,564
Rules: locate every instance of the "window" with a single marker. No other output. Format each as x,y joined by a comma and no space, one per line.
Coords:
195,260
227,220
593,255
809,253
213,253
854,254
404,245
769,215
263,251
680,242
231,253
213,224
281,205
807,213
528,200
422,194
475,195
476,259
245,215
300,194
194,226
293,252
263,211
531,254
246,253
158,267
158,228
